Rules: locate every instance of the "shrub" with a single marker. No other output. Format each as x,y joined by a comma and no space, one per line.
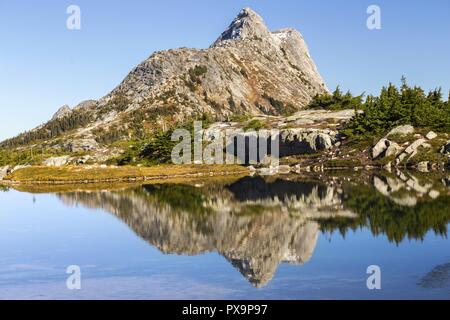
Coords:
336,101
256,125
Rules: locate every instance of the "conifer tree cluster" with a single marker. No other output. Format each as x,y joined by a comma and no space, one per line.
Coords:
393,107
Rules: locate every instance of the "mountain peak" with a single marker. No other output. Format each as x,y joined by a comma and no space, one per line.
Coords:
62,112
247,24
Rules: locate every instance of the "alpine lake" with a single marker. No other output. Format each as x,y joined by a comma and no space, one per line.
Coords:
336,235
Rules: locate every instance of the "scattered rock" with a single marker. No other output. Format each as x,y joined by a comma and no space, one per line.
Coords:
434,194
411,151
431,135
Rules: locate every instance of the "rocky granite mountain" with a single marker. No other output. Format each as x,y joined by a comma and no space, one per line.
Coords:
247,70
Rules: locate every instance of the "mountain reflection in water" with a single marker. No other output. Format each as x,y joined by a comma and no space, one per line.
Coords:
257,223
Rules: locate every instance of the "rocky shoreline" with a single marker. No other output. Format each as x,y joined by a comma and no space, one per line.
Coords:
310,141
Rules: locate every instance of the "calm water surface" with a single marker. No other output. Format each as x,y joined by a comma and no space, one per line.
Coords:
248,238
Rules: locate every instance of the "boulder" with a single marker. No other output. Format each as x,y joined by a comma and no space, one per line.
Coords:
401,130
319,141
423,166
56,161
380,148
431,135
4,172
446,148
305,141
434,194
414,146
393,150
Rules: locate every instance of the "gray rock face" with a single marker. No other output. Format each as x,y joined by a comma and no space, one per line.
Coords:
247,70
56,161
304,141
62,112
298,141
247,25
79,145
88,104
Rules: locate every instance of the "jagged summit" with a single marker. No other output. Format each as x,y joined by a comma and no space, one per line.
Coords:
247,25
247,70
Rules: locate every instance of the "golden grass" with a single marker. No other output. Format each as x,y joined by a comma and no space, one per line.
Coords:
95,174
114,186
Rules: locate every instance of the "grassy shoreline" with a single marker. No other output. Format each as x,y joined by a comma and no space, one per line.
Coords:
97,174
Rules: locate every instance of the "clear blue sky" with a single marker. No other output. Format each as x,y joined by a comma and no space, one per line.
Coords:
43,65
